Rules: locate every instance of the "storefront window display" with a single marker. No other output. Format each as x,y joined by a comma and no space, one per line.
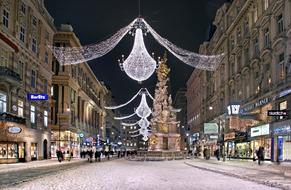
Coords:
33,151
230,149
68,142
21,150
3,150
264,142
8,150
243,150
285,148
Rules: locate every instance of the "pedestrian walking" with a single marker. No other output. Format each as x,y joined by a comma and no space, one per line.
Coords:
217,154
59,156
90,156
261,155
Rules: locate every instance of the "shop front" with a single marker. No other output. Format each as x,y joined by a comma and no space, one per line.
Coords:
19,143
260,137
237,145
282,140
229,144
66,141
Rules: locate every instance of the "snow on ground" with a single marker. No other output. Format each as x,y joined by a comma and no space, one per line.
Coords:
131,175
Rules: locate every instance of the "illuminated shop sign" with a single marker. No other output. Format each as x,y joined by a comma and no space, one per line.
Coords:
14,129
210,128
229,136
260,130
233,109
284,93
37,96
277,112
282,129
213,136
255,105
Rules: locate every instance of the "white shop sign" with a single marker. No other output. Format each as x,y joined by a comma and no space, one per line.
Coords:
210,128
260,130
14,129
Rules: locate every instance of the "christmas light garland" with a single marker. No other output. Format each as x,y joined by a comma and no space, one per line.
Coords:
75,55
203,62
139,65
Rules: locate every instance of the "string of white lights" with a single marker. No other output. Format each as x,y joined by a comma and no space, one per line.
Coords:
124,117
125,104
149,94
122,105
75,55
204,62
129,124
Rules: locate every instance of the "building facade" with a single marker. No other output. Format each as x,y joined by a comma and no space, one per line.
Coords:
254,74
78,99
26,30
129,142
113,127
180,102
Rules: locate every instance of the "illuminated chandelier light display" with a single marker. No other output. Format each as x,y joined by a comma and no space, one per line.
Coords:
143,111
139,65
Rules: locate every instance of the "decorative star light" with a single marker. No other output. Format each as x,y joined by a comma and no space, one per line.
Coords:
139,65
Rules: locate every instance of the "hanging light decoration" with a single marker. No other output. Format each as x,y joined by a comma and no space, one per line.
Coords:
143,123
143,110
203,62
75,55
139,65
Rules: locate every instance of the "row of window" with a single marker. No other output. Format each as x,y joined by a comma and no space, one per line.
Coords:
20,110
22,31
280,29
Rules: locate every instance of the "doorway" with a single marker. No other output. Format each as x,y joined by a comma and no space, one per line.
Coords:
45,149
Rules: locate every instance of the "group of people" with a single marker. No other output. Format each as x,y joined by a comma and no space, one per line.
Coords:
97,155
61,155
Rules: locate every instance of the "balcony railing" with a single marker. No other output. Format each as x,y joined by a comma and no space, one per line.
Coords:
8,73
8,117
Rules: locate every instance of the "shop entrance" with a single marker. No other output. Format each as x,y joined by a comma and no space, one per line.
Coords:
21,151
33,151
45,149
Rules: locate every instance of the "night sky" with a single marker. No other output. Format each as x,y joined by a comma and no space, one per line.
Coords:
183,22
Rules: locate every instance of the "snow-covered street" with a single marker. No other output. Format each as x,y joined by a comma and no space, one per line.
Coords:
122,174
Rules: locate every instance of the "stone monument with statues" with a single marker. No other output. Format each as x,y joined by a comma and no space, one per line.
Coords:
164,124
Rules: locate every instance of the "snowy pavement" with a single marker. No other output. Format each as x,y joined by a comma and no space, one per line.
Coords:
268,173
4,168
133,175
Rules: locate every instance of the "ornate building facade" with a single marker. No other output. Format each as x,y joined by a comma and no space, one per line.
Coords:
26,30
255,74
78,99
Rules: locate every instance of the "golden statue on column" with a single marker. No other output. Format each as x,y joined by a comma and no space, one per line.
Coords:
164,124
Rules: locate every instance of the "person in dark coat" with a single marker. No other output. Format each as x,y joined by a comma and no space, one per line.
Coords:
261,155
98,154
217,152
59,156
90,154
